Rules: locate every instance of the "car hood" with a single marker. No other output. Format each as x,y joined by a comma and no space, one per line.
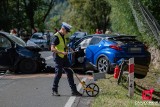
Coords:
30,45
33,48
28,51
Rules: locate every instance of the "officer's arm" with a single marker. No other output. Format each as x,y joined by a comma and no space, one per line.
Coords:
53,49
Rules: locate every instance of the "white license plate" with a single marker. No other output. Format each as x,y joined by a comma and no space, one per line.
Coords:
134,50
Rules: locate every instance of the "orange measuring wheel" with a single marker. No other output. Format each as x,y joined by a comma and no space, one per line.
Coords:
92,89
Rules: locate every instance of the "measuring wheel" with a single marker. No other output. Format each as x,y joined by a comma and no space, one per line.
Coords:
92,89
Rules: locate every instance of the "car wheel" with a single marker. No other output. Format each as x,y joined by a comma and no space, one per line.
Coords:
139,76
27,66
103,65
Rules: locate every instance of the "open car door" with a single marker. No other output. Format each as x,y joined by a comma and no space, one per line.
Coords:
78,58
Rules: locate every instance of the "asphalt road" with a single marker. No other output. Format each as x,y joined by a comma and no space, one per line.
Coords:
34,90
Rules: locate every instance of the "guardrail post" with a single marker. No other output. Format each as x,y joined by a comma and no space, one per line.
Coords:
131,77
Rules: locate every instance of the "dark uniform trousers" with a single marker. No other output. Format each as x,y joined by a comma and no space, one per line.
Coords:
60,65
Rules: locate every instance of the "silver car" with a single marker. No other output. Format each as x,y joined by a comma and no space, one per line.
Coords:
40,39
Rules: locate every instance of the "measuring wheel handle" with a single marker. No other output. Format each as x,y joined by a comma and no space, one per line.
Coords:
92,89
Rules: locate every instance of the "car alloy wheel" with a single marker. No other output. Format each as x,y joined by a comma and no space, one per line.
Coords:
103,65
27,66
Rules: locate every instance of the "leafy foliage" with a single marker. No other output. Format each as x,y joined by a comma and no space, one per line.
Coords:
121,18
88,15
55,17
24,13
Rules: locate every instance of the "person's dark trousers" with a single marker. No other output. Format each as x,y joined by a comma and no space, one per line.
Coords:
60,65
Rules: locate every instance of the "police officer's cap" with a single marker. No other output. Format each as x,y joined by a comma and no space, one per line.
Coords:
66,26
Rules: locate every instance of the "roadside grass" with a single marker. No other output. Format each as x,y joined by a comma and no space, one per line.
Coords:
114,95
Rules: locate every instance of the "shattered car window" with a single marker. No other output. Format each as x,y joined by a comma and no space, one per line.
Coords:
17,40
4,42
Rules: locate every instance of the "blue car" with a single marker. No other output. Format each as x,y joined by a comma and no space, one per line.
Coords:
103,52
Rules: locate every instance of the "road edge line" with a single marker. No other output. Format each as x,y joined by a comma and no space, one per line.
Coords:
72,98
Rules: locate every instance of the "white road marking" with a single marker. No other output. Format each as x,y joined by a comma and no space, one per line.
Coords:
72,98
49,57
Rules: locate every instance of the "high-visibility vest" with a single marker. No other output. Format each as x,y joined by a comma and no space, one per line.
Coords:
61,45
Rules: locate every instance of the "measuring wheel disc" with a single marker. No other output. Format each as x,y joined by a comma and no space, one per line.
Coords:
92,89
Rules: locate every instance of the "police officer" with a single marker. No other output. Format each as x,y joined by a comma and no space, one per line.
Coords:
58,47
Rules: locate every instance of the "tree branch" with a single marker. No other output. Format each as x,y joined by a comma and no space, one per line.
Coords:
49,9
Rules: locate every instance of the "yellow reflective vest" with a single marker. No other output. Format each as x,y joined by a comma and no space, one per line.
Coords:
61,45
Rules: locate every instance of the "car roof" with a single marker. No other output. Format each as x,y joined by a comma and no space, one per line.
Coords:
81,34
5,33
111,36
14,39
43,34
38,33
107,36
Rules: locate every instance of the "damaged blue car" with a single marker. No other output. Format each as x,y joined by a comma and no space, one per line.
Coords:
17,57
100,52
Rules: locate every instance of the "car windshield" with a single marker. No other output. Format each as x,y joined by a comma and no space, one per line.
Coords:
17,40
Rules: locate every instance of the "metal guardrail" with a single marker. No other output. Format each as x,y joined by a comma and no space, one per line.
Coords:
151,22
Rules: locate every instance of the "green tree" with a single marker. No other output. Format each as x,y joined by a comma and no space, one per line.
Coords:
24,13
89,14
37,11
5,16
54,19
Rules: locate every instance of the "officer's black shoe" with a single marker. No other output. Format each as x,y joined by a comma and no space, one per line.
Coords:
76,93
55,93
